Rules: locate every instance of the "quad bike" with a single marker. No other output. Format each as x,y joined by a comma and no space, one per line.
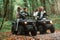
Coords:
23,27
45,24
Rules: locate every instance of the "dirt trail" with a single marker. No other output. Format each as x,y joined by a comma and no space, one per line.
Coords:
51,36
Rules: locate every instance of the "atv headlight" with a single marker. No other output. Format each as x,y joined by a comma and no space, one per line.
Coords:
25,22
51,22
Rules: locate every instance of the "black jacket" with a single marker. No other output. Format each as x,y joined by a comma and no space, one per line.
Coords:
44,15
23,14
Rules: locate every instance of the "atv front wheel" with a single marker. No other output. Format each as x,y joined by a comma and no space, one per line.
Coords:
52,29
33,32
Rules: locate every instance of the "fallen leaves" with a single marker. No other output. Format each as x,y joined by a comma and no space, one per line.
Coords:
9,36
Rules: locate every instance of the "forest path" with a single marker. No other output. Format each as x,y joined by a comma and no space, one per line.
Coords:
51,36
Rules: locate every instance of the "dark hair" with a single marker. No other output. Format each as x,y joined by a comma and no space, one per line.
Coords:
18,8
24,8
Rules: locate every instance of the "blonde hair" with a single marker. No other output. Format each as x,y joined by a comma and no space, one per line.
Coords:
41,7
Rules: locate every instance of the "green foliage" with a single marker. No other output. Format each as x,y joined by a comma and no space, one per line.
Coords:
6,26
56,20
32,5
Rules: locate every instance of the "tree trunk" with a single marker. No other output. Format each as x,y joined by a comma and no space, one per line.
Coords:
8,9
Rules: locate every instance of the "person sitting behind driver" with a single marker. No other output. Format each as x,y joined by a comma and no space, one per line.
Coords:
25,12
41,13
35,13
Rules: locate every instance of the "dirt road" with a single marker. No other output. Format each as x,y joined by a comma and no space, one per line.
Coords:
51,36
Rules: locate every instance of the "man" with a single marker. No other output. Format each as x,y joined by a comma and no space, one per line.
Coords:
41,13
19,16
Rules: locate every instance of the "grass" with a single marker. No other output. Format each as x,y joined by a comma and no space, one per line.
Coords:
8,24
